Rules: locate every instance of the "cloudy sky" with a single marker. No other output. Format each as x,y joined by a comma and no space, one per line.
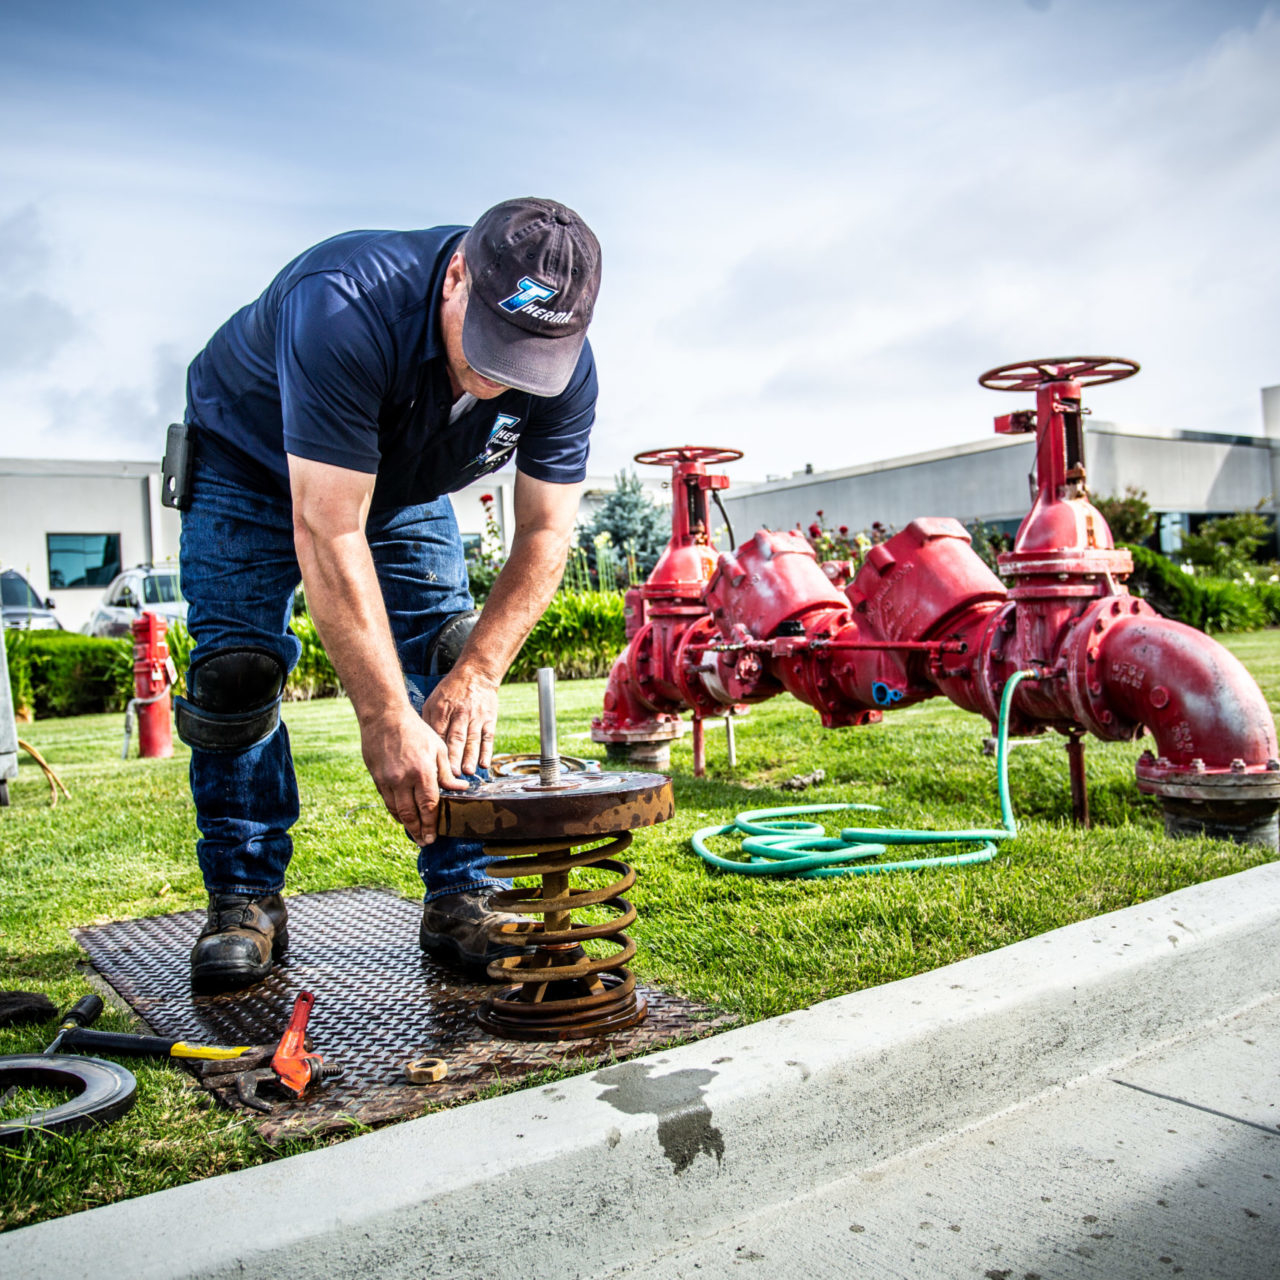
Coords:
821,220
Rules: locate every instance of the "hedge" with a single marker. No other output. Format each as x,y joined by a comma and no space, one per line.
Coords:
60,673
1209,604
580,635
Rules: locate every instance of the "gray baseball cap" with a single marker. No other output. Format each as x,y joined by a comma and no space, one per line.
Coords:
535,271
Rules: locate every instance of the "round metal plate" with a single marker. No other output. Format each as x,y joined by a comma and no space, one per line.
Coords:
582,804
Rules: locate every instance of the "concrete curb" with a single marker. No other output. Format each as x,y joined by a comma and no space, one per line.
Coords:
582,1176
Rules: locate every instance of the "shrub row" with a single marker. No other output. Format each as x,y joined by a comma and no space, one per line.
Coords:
1209,604
580,635
59,673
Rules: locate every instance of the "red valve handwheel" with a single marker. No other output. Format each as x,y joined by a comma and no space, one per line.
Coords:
688,453
1089,371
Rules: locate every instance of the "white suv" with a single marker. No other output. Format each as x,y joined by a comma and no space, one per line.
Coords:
133,592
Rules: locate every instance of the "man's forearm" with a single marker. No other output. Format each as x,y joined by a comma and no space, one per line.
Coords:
345,601
520,594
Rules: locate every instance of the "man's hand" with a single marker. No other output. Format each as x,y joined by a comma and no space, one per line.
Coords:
463,710
409,764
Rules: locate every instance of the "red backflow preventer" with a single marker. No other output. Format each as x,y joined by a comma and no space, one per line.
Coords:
711,632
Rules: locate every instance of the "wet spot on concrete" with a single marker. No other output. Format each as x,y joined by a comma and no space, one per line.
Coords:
678,1101
857,1228
953,1227
747,1255
1089,1217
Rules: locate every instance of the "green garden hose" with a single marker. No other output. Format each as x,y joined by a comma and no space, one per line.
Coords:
777,845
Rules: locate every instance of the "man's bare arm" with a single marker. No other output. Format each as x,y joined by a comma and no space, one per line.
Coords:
406,758
463,709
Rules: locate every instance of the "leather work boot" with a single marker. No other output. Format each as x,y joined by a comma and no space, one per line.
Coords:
240,939
455,931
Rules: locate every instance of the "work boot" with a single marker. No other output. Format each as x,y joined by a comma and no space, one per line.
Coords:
240,939
455,931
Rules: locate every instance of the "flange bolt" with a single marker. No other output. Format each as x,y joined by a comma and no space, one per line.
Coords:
1159,697
1273,766
1238,765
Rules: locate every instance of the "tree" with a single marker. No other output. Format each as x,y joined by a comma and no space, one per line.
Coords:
1131,518
1227,545
631,519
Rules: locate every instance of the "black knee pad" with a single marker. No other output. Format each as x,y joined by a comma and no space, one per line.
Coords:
447,645
233,700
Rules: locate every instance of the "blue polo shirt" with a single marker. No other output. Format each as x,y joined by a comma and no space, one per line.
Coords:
342,361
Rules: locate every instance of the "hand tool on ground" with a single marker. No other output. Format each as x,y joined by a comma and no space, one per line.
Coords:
74,1033
293,1069
532,825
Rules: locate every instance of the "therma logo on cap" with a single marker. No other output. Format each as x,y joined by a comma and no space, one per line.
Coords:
529,294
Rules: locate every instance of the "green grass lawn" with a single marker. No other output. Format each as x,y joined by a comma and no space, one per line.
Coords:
123,847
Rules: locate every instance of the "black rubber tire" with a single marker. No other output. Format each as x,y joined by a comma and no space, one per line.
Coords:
105,1092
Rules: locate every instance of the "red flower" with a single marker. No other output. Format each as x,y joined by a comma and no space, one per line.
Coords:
815,530
819,514
844,530
486,498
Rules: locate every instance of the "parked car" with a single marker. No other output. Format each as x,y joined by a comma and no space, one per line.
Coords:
133,592
22,607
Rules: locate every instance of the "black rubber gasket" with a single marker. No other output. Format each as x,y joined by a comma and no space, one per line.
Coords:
105,1091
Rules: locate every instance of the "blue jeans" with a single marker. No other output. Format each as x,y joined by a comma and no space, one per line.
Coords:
239,573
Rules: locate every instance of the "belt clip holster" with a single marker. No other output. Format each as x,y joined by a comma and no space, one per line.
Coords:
175,470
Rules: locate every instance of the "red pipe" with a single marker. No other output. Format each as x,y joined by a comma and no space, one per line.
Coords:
925,616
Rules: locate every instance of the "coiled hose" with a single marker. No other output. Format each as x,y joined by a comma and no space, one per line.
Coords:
777,845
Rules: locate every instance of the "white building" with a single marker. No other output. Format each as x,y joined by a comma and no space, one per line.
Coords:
1188,476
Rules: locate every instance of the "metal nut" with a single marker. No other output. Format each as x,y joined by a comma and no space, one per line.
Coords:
426,1070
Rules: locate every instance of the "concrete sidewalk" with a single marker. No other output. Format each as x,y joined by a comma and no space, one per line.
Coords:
1167,1164
764,1147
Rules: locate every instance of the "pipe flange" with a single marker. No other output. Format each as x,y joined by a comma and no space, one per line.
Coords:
1235,783
1089,690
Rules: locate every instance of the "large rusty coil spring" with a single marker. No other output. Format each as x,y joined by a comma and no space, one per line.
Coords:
561,992
549,828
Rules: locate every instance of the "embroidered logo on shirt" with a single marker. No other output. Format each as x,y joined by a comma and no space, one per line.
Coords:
527,298
503,437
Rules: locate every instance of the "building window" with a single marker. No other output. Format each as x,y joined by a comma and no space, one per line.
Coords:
82,559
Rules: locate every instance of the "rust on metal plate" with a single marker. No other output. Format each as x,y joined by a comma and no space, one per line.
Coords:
581,804
379,1004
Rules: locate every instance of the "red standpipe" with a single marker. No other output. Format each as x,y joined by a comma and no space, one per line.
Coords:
150,677
924,616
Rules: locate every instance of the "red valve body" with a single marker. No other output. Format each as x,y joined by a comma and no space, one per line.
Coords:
925,616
